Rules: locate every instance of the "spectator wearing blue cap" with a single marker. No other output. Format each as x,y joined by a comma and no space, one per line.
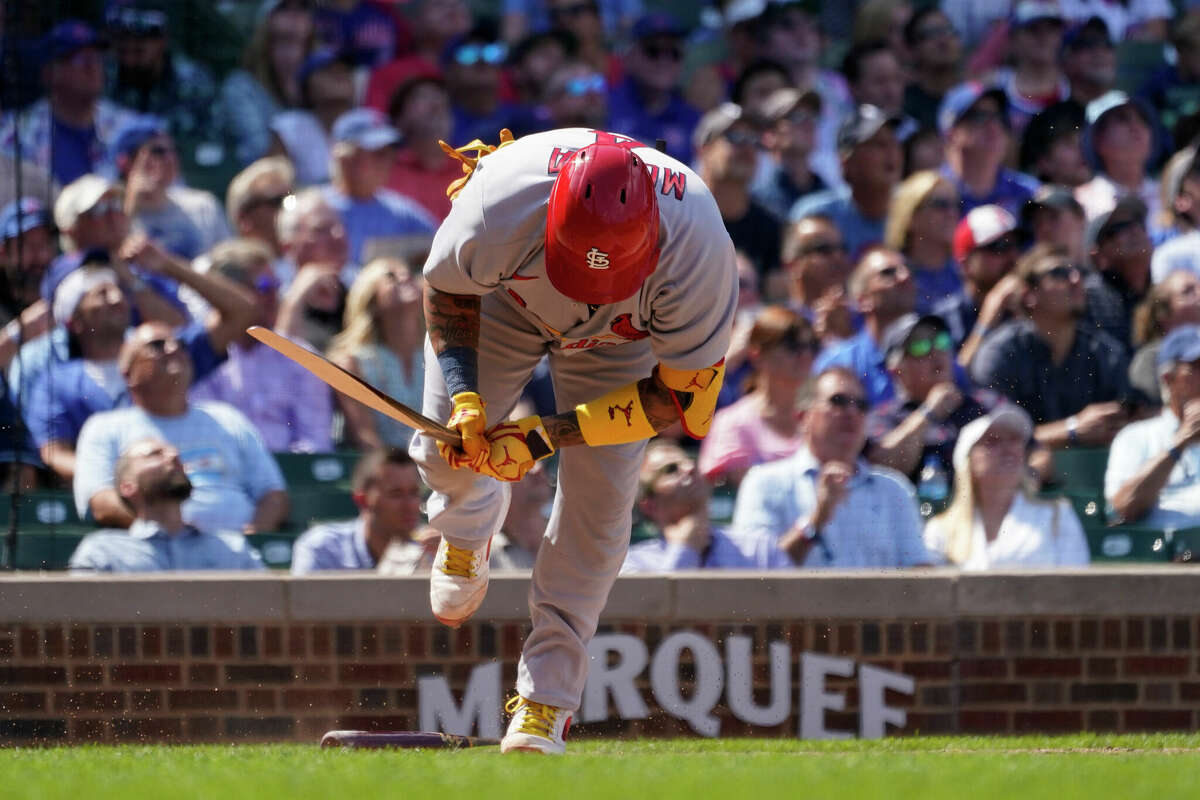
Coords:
935,62
68,131
302,134
187,222
28,249
364,147
269,79
648,105
1121,141
149,76
1153,472
872,162
973,120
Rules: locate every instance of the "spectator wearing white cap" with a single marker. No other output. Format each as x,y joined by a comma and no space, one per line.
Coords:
1153,471
995,519
986,245
1121,141
364,146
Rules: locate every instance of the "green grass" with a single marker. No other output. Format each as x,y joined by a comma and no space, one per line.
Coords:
1163,767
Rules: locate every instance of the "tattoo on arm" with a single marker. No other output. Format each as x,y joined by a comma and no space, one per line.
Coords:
658,403
564,429
452,320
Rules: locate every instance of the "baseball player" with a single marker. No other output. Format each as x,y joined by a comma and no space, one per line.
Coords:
610,258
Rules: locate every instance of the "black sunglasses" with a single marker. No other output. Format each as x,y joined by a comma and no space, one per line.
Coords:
1062,272
823,249
657,52
274,201
843,402
741,138
1004,244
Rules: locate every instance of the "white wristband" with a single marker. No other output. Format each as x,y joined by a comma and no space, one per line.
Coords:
13,331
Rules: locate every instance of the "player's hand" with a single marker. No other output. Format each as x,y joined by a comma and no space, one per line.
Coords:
513,448
470,420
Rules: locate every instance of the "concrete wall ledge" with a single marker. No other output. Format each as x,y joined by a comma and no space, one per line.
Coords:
723,596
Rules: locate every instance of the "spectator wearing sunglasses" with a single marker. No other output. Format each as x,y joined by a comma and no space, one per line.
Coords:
935,61
67,132
1119,250
826,506
986,246
420,112
973,120
673,496
95,311
1070,377
187,222
472,66
291,408
883,289
253,202
815,271
872,161
575,97
236,483
150,77
920,224
648,105
727,144
763,425
1121,141
788,138
923,420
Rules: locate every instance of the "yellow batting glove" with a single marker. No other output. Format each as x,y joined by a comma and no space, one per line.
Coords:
470,420
514,447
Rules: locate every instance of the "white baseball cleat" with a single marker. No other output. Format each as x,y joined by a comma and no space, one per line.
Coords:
535,728
458,582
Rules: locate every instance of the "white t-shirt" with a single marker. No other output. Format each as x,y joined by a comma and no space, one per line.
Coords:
494,237
1034,533
1179,501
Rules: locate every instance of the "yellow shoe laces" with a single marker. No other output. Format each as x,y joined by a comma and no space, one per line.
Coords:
459,562
539,718
480,149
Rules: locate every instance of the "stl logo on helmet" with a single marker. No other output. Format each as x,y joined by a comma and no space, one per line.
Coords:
597,259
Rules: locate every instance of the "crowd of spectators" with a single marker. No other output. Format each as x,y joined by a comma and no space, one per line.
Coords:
968,237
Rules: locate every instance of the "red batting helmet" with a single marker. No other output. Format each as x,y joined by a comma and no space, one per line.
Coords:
602,225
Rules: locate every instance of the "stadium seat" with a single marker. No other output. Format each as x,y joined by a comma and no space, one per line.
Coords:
1137,543
40,510
1082,468
317,504
275,547
315,469
47,550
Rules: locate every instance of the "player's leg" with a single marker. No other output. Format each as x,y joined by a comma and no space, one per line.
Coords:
585,545
467,508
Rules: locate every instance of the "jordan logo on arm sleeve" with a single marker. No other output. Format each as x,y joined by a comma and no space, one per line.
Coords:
626,409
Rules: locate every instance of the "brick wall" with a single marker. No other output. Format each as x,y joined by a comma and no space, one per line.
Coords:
275,658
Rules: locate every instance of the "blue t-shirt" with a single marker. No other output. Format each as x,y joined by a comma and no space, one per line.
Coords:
385,215
62,398
1011,191
222,452
674,124
858,232
935,285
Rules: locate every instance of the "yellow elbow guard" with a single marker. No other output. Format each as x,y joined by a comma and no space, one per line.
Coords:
615,418
695,394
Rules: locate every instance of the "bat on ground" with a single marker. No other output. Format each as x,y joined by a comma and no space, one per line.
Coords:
354,387
372,740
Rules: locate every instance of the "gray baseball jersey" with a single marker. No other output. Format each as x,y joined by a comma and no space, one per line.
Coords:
493,240
492,244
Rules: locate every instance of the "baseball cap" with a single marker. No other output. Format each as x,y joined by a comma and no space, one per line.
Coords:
1088,32
1180,346
958,101
1050,195
1178,167
716,122
22,216
317,61
861,125
782,102
78,197
1110,101
74,286
1005,417
981,226
135,133
659,23
896,335
69,37
366,128
1026,12
67,263
1128,208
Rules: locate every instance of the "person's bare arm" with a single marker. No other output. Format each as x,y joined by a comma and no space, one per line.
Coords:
833,483
901,448
656,400
59,456
109,510
32,323
1140,493
151,306
1095,426
270,513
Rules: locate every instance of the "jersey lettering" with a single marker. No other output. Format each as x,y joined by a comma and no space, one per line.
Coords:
558,157
674,182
